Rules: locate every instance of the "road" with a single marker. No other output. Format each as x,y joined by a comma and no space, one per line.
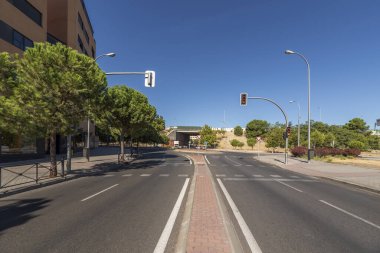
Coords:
288,212
124,209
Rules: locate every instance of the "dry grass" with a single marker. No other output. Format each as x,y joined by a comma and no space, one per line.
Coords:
355,161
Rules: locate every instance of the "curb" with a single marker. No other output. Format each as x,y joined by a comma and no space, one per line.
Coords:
185,225
351,184
363,187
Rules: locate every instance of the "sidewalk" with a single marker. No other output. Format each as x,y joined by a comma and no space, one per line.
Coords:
22,175
363,177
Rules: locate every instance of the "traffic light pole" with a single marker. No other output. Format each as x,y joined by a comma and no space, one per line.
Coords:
286,123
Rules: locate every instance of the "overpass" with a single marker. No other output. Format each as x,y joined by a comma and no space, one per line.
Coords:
182,134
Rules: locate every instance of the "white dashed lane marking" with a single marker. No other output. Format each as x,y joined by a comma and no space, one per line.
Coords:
109,175
182,175
145,175
220,175
294,176
127,175
239,175
164,175
258,176
275,175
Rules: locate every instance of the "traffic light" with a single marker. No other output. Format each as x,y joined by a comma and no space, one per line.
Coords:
243,99
288,129
150,78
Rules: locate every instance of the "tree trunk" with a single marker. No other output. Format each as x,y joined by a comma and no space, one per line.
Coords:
122,145
53,155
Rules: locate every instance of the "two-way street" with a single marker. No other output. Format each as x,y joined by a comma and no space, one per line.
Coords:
140,207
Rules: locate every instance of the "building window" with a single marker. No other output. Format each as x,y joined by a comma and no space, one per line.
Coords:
80,43
80,21
53,40
18,40
86,36
29,10
93,52
13,37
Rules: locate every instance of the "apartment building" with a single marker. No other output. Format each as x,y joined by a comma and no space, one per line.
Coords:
23,22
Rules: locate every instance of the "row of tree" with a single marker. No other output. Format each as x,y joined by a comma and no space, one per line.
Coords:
52,88
353,134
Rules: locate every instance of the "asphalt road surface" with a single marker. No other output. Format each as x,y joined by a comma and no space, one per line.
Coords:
127,208
122,210
289,212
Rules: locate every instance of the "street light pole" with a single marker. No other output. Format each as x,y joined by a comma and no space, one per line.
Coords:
308,101
87,153
299,116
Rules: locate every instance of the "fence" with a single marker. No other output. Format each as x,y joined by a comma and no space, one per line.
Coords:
27,174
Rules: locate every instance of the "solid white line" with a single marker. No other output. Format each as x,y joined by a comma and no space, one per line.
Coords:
99,192
252,243
236,163
145,175
164,238
207,160
351,214
294,188
127,175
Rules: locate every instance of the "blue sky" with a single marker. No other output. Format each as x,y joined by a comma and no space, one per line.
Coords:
205,52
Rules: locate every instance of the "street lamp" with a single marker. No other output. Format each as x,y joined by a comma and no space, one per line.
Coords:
299,130
308,100
87,152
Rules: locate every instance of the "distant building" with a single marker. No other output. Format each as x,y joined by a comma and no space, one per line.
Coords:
23,22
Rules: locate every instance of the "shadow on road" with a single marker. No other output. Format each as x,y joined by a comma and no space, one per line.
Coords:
20,212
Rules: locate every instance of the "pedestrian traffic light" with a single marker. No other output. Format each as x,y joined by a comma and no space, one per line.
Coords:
288,129
150,78
243,99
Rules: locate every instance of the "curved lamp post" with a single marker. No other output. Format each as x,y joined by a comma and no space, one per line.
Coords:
88,118
308,99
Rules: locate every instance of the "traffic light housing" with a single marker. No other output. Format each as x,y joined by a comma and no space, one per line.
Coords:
288,130
150,78
243,99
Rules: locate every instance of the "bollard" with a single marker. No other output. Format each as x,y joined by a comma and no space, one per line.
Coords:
36,173
63,167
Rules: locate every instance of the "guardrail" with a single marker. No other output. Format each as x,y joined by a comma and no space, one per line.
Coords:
26,174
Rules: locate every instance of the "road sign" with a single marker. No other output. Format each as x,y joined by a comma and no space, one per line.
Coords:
243,99
258,138
378,122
